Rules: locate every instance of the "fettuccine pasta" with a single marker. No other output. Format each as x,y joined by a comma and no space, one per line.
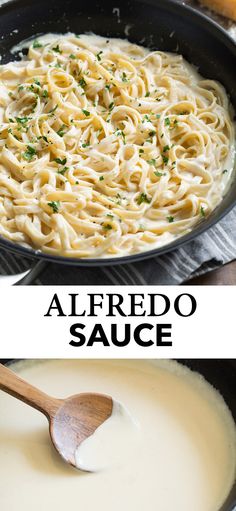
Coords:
108,149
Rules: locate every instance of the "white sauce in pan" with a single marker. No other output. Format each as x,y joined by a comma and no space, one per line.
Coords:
180,455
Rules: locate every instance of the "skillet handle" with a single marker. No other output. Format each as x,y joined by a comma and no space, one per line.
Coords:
34,272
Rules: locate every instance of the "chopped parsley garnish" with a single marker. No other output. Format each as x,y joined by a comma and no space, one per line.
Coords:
152,161
62,171
20,87
37,82
152,133
202,212
29,153
120,132
99,55
72,56
36,44
101,178
141,151
107,87
61,131
55,204
167,121
107,227
111,106
166,148
143,198
85,145
45,139
57,49
170,219
165,159
60,162
45,93
124,77
158,174
82,83
158,116
147,94
85,112
110,215
22,120
224,171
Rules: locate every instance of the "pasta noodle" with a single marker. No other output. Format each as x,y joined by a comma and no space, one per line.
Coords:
107,148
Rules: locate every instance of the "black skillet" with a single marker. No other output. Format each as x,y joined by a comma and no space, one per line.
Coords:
222,375
161,24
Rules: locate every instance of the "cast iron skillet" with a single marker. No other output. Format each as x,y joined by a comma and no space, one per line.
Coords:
161,24
222,375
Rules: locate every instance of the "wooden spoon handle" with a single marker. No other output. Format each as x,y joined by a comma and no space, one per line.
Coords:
16,387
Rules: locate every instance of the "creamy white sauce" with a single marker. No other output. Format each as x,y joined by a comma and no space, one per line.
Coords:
184,442
113,442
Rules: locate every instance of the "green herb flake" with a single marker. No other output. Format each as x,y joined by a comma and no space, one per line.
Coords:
72,56
86,112
158,116
143,198
99,55
82,83
152,161
111,106
166,148
124,77
107,227
107,87
22,120
141,151
62,171
167,121
170,219
61,131
55,205
158,174
147,94
29,153
225,171
59,161
37,44
165,159
57,49
101,178
45,93
202,212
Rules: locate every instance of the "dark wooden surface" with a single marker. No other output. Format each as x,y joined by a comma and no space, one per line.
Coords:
223,276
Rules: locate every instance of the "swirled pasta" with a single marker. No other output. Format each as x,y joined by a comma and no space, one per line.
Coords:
107,148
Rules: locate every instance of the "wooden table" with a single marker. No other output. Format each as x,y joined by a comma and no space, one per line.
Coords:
222,276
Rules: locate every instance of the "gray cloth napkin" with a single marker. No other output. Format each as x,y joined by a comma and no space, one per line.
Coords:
207,252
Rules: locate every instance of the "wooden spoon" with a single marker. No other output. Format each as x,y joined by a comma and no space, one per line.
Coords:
71,420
